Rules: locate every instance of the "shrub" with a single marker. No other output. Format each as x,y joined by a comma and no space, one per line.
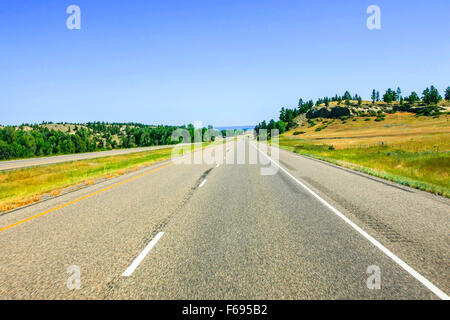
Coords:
428,111
312,123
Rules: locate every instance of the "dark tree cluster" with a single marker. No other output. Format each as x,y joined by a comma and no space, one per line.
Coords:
38,140
429,96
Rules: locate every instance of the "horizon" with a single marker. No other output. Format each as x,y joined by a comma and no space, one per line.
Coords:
129,123
224,63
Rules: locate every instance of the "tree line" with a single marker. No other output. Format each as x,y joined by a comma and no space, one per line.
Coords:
38,140
286,121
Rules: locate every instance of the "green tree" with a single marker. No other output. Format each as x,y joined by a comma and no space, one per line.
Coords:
398,93
300,105
431,95
281,126
373,96
305,107
413,97
447,94
347,96
389,96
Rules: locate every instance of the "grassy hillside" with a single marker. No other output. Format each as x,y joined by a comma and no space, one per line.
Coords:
403,147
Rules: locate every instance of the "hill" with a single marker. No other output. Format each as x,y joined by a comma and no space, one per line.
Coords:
404,147
48,138
355,108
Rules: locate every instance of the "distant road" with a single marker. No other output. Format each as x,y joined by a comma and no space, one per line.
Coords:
224,231
25,163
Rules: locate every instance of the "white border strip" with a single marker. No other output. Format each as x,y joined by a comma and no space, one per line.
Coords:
442,295
142,255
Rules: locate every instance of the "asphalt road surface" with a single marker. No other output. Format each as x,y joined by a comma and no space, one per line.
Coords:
225,231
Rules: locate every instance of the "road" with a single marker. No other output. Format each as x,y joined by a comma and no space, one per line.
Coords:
225,231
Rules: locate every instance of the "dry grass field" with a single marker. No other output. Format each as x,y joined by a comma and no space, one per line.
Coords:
403,147
24,186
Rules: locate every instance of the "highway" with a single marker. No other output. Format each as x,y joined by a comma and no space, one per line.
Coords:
225,231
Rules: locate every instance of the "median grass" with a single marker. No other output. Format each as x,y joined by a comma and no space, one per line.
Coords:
403,148
24,186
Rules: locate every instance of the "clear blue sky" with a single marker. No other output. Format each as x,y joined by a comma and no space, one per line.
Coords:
225,62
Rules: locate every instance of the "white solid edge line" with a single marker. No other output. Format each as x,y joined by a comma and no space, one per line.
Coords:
438,292
142,255
201,184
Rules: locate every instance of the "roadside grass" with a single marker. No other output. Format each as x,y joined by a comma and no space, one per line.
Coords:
25,186
426,170
404,148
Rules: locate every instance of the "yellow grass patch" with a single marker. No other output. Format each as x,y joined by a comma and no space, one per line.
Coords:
402,129
24,186
89,182
414,151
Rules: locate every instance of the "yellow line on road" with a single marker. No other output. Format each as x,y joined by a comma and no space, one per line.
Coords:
87,196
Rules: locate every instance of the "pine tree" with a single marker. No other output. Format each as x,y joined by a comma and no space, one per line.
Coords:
447,94
389,96
413,97
347,96
431,95
399,92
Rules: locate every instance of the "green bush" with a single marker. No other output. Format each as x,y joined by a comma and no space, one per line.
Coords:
312,123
